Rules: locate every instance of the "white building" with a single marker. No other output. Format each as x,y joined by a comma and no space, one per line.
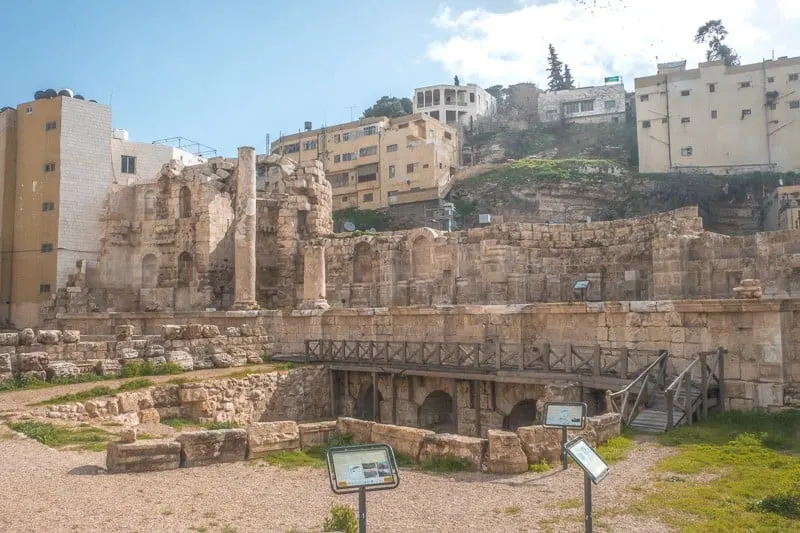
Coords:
602,103
455,104
133,162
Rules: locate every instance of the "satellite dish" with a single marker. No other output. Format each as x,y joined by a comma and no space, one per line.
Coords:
79,97
38,95
373,230
349,226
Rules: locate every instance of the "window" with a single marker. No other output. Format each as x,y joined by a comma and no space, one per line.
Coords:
391,171
337,159
471,98
615,120
350,136
50,167
48,206
291,148
685,92
364,178
447,135
310,145
420,99
712,87
426,165
794,104
588,105
644,98
794,77
391,148
50,126
340,179
744,84
401,126
370,130
28,110
773,106
368,197
368,150
610,104
350,156
686,120
337,138
645,124
128,163
686,151
44,288
771,79
344,199
570,108
746,112
713,113
47,247
664,121
411,168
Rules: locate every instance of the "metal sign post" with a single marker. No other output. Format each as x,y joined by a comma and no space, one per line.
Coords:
594,469
360,469
564,416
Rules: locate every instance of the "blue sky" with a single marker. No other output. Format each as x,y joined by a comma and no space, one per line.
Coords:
227,76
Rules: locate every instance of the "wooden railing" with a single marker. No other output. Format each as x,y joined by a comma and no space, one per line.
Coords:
711,367
569,359
644,385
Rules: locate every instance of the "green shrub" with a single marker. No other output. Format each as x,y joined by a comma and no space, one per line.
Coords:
541,466
342,518
786,505
136,369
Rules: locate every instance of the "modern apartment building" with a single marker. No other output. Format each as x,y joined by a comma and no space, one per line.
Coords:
455,104
719,119
56,168
377,162
584,105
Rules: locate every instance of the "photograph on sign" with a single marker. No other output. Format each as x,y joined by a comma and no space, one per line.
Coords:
353,467
587,459
564,415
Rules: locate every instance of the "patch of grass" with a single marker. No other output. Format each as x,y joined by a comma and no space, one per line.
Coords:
27,382
786,505
286,366
97,392
294,459
81,438
179,381
541,466
514,510
342,518
445,464
219,425
404,461
137,369
183,423
615,449
572,503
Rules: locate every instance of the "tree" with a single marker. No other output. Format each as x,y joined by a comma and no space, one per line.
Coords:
713,32
555,78
456,82
569,83
496,91
390,106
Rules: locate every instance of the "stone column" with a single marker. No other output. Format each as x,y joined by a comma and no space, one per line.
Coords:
314,289
245,230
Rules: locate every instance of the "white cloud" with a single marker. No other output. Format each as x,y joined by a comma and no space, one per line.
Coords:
599,38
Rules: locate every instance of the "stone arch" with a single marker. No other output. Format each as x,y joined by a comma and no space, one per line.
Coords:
436,412
149,271
365,408
185,202
362,263
150,207
185,269
521,415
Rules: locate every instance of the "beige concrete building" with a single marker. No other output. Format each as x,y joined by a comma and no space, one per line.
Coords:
584,105
377,162
720,119
455,104
57,165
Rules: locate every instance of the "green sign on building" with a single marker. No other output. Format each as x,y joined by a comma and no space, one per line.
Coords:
612,79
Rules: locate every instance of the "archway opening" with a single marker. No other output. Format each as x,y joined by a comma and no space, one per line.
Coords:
366,404
185,269
185,201
436,413
149,271
521,415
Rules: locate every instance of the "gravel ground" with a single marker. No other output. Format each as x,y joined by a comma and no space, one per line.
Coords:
45,490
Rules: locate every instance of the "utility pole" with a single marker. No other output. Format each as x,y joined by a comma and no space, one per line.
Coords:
351,107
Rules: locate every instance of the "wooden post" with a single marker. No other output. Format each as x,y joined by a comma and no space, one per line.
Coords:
476,353
687,400
347,388
332,379
498,353
375,406
454,391
394,399
546,356
721,378
405,352
598,360
703,386
522,357
439,353
568,360
386,347
344,350
308,349
670,397
477,385
623,366
410,380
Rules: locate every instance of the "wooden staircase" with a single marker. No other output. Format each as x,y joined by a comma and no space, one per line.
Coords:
655,416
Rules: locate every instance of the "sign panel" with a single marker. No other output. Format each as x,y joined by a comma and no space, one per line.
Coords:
371,467
567,415
612,79
581,284
587,459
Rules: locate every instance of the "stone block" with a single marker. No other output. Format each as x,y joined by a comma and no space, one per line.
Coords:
402,439
192,331
209,331
247,330
149,416
505,453
222,360
316,433
143,456
108,367
233,332
446,445
154,350
602,427
193,394
127,354
128,435
125,332
71,336
181,358
157,361
26,337
8,363
9,339
132,402
361,430
171,333
61,369
48,336
540,443
266,437
201,448
33,361
38,375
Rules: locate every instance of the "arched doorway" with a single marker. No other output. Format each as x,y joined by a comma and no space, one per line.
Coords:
436,413
366,404
185,201
521,415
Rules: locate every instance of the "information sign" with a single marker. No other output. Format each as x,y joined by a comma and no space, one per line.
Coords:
370,466
569,415
587,459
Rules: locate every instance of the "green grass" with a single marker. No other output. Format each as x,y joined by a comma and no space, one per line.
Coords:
445,464
514,510
541,466
313,457
97,392
572,503
615,449
80,438
730,475
26,382
137,369
183,423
